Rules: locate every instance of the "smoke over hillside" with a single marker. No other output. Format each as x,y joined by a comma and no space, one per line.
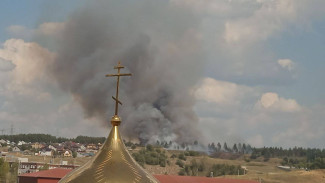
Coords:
156,43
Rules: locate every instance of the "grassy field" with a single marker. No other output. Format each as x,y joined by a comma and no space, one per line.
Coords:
267,172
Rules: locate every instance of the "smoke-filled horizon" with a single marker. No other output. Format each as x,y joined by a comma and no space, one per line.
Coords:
250,69
157,104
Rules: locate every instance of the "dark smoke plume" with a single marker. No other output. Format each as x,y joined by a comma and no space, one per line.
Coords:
157,44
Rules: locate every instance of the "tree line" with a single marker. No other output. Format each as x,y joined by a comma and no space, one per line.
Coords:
236,148
272,152
46,138
298,157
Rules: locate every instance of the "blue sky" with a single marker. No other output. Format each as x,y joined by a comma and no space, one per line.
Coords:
31,14
263,64
307,49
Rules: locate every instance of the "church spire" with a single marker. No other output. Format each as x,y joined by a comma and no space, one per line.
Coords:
117,101
112,163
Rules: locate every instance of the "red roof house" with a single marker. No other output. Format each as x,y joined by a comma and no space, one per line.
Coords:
54,175
46,176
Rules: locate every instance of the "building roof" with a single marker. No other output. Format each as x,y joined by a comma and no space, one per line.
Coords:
59,173
52,173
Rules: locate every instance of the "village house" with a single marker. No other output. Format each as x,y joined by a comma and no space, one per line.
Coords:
67,154
37,145
2,141
81,148
30,167
60,149
46,153
92,146
27,152
52,147
15,149
20,143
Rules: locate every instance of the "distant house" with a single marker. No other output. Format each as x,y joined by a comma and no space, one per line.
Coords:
22,160
82,148
92,146
15,149
67,154
37,145
30,167
59,148
21,143
52,147
27,152
46,153
2,141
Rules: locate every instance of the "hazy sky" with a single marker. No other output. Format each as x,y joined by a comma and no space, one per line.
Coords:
263,60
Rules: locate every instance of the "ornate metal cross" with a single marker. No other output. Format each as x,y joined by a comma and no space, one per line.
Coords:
118,67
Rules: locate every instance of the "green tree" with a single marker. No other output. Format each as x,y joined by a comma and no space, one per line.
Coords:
4,170
44,167
218,147
194,167
133,146
235,149
225,147
149,147
13,172
74,154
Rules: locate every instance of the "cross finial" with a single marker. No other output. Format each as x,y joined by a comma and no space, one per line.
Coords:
118,67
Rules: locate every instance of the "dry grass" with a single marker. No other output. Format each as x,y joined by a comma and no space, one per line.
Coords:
267,172
299,176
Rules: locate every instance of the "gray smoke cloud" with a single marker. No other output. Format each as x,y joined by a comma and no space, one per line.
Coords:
6,65
156,42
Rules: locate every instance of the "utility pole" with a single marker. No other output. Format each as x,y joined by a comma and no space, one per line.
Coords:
11,129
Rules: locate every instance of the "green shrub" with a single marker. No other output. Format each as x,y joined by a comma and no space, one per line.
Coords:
224,169
193,153
149,147
181,172
182,157
180,163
